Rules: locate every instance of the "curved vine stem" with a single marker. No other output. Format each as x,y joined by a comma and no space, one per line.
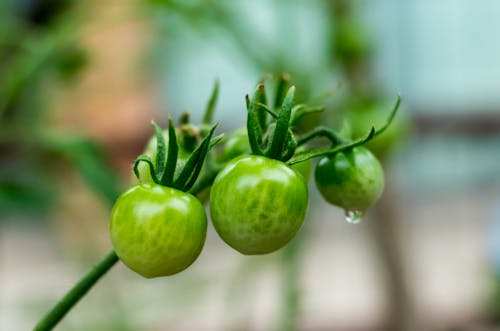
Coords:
312,154
56,314
76,293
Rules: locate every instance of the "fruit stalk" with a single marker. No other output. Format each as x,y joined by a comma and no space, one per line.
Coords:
76,293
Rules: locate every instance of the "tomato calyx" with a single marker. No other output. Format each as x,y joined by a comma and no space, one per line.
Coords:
177,155
163,171
270,130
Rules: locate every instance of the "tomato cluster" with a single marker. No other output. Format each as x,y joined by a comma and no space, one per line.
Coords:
257,182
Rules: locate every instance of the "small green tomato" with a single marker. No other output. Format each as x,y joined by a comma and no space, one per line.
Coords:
157,230
352,179
257,204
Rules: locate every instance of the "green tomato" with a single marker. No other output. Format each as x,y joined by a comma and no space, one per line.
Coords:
157,230
303,168
352,180
237,144
257,204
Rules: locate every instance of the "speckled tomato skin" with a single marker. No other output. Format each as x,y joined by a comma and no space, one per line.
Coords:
258,204
352,180
157,230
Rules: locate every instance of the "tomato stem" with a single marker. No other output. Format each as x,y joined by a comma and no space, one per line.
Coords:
317,153
391,116
56,314
325,132
76,293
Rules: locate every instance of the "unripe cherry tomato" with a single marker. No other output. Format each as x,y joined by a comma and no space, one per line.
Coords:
157,230
257,204
352,179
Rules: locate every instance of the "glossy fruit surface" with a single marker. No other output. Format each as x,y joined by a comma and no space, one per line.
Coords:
157,230
257,204
352,180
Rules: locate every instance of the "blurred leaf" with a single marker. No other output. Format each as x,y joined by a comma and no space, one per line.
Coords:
23,188
89,161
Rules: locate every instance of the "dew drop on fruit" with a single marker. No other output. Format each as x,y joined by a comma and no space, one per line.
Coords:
353,216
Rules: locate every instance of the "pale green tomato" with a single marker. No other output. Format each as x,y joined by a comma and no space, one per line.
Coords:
352,180
157,230
258,204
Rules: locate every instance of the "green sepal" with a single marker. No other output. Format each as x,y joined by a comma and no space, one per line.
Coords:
280,134
290,147
173,151
160,150
260,99
201,161
299,111
147,159
254,129
209,111
281,87
191,165
268,110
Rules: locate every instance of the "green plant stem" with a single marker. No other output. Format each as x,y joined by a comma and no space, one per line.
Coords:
76,293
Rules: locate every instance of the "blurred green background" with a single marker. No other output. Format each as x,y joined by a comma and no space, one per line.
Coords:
81,81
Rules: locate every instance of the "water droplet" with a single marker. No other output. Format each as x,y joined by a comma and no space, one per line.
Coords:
353,216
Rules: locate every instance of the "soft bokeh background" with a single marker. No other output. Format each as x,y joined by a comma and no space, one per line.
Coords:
80,82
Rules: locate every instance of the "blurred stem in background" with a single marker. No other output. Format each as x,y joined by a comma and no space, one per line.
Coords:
352,49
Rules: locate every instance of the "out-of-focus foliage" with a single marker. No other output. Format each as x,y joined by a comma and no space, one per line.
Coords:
39,50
